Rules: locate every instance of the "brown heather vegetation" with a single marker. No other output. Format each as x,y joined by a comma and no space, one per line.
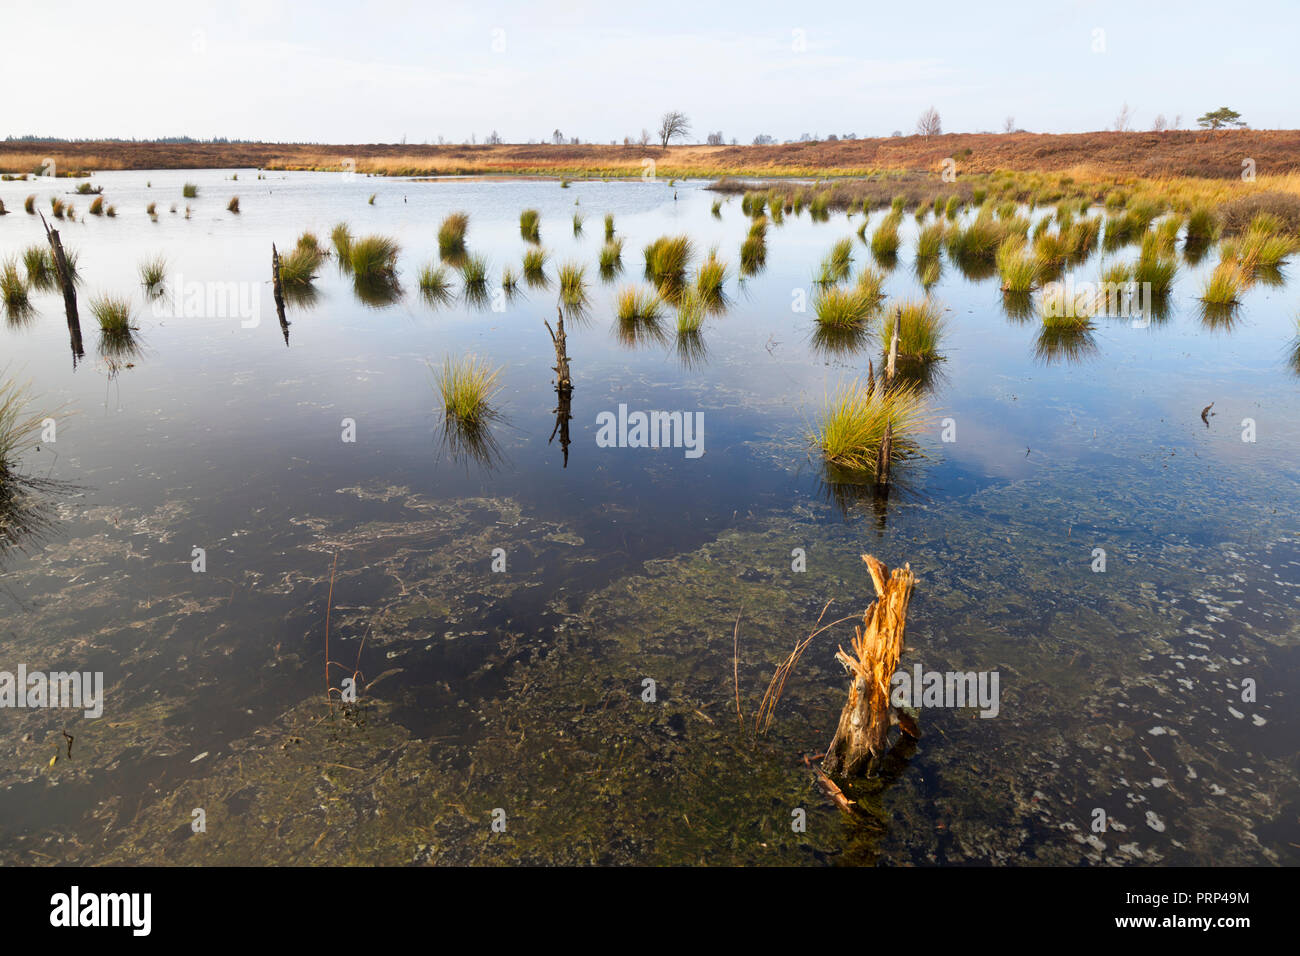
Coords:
1187,153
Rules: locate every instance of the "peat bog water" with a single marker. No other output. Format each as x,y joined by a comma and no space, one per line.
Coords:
1159,691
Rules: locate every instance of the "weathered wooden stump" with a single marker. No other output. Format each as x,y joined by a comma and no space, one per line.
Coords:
877,645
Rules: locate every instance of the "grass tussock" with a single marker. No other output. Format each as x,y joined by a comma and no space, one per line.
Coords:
842,308
611,256
38,261
921,328
1018,267
190,191
435,283
573,284
633,304
374,258
233,205
153,273
530,221
29,204
451,235
885,241
535,267
13,286
710,278
668,257
852,425
113,313
466,387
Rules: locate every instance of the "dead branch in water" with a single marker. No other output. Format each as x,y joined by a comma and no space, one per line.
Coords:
877,646
775,687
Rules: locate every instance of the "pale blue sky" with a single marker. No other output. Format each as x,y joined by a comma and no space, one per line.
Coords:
385,69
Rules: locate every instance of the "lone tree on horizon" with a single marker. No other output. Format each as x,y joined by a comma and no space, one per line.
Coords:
928,124
674,125
1218,119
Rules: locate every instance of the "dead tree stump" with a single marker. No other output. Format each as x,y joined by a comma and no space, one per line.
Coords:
877,645
563,385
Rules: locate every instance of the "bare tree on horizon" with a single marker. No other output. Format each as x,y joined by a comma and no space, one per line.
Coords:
673,125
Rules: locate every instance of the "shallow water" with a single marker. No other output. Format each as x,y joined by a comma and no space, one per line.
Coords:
522,690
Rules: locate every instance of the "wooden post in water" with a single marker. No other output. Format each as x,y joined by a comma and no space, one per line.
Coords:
67,283
885,455
877,646
562,380
563,384
278,288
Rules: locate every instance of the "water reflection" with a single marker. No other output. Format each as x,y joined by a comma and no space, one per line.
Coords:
1065,345
378,292
832,341
1219,318
691,351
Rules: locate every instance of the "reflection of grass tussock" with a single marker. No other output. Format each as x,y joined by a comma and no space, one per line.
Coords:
1065,343
852,426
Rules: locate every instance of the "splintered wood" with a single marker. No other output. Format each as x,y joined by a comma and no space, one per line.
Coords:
877,646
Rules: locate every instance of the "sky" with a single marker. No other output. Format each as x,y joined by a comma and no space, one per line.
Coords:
391,71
